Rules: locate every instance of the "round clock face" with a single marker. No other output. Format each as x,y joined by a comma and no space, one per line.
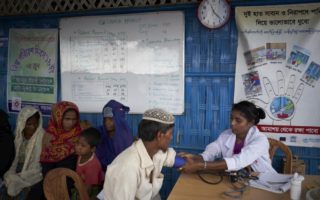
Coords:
213,13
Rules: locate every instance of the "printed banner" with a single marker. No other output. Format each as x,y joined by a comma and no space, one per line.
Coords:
32,69
278,68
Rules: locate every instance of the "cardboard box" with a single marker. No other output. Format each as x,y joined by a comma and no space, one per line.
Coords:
297,166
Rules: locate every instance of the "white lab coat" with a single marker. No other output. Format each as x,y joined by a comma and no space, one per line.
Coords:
255,151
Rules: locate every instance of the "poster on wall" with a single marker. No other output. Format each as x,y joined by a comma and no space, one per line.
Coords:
278,68
32,69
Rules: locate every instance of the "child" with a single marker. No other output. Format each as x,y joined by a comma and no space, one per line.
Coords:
88,166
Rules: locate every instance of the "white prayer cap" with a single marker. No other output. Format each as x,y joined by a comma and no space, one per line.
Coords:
158,115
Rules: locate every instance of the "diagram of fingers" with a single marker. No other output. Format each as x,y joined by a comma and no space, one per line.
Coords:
282,104
281,100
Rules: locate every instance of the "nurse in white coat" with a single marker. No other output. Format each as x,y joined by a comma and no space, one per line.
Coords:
240,146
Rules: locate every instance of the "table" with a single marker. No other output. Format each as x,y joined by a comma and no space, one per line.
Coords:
191,187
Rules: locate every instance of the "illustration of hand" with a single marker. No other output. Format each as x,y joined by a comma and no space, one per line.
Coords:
280,106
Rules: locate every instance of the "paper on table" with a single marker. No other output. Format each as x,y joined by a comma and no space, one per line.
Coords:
275,177
100,196
273,182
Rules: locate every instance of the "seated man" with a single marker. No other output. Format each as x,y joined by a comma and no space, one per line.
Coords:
136,172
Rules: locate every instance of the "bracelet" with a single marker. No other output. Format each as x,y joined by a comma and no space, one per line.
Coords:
205,165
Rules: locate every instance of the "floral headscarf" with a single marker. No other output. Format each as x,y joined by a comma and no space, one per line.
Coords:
62,142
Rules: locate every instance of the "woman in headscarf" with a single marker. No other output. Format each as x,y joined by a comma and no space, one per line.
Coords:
25,170
58,142
6,144
115,133
60,138
240,146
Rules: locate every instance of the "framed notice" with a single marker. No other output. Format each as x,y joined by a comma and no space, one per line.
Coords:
32,64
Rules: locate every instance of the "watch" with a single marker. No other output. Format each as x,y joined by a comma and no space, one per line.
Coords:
213,13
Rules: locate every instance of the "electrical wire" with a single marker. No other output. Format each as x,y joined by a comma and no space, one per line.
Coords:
239,181
218,174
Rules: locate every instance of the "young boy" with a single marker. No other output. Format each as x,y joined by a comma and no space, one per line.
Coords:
88,166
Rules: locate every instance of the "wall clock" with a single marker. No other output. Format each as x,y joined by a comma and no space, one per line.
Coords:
213,14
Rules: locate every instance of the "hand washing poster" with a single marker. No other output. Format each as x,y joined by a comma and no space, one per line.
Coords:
32,69
278,68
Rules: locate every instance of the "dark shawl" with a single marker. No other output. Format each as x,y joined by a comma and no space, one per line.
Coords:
6,143
111,147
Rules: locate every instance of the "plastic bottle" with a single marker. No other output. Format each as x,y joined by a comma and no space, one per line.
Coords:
295,191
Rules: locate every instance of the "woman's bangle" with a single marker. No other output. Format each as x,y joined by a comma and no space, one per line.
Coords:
205,165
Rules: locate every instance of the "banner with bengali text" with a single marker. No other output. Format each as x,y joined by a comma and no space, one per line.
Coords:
278,68
32,69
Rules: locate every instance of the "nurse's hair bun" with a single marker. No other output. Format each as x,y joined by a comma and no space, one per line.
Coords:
261,113
250,111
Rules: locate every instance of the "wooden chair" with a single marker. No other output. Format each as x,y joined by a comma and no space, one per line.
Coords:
55,185
274,145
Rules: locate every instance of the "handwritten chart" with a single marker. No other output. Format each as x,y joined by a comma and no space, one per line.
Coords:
137,59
